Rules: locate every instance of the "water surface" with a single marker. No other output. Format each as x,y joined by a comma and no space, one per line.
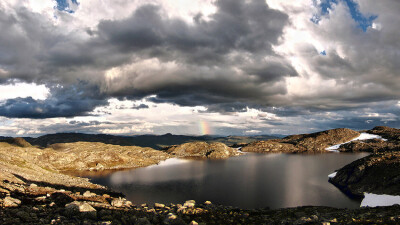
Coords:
248,181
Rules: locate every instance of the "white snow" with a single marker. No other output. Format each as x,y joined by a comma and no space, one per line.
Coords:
373,200
172,161
332,175
240,150
363,136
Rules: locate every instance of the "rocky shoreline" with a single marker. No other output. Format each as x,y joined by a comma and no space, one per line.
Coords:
33,189
377,173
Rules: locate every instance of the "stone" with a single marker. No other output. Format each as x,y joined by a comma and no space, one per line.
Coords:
88,194
193,223
121,202
159,205
11,202
189,203
207,203
80,208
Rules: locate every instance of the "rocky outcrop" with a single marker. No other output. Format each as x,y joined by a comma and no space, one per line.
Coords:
20,142
99,156
376,145
373,145
392,134
377,173
315,142
202,150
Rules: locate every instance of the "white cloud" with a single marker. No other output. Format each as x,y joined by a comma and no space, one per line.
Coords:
23,90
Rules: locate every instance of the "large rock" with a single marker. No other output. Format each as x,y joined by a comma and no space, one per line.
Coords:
314,142
377,173
11,202
203,150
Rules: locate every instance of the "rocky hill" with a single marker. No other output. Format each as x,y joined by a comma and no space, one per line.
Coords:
314,142
20,142
152,141
377,173
202,150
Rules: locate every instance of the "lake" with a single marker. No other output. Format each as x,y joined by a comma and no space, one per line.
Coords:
248,181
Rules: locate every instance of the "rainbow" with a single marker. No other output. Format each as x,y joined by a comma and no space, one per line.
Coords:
204,127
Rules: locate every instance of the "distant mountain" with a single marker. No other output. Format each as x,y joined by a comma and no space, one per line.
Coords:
153,141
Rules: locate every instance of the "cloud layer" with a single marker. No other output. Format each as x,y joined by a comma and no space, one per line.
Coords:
227,56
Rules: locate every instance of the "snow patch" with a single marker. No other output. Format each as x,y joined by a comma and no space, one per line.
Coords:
363,136
172,161
240,150
374,200
332,175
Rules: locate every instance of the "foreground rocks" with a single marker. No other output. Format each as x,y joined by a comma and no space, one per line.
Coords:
377,173
315,142
85,212
202,150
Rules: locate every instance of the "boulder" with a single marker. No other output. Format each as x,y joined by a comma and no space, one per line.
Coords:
11,202
189,204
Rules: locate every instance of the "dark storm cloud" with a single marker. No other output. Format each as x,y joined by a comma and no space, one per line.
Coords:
205,52
65,102
237,25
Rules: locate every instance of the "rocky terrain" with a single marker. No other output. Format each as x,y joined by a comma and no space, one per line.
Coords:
33,189
315,142
376,145
82,155
377,173
202,150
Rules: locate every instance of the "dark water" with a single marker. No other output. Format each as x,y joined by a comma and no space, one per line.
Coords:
249,181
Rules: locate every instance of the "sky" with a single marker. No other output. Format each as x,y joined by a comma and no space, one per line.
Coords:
215,67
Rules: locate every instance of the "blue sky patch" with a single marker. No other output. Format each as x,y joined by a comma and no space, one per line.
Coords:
63,5
364,21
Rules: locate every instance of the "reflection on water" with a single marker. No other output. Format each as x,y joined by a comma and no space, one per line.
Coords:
248,181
